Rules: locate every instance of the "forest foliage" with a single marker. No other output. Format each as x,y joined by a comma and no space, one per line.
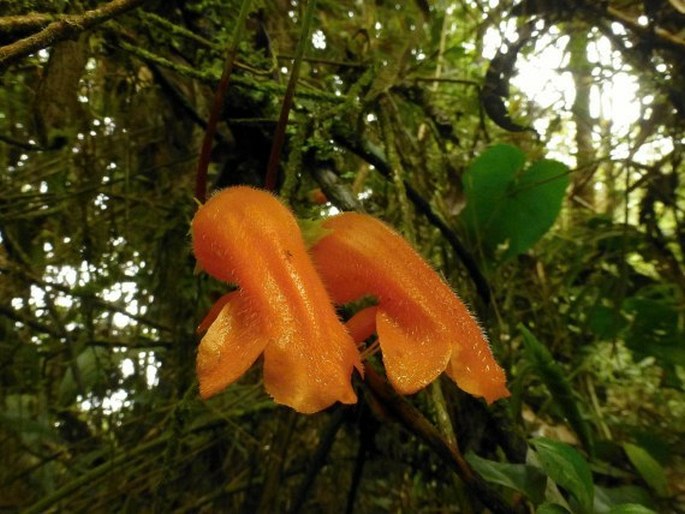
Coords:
558,217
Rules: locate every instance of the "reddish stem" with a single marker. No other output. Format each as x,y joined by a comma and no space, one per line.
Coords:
219,98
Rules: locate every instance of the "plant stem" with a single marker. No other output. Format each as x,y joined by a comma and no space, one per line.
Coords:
279,134
414,421
217,106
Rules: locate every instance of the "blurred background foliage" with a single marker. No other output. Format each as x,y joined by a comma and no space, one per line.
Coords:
532,151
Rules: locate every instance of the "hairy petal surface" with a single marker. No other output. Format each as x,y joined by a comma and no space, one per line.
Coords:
247,237
423,328
234,340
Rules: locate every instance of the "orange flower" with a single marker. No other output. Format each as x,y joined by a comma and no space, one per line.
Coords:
423,328
247,237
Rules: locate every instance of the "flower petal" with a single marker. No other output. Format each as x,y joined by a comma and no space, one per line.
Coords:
363,324
308,378
421,324
231,345
213,313
413,355
359,256
476,372
246,236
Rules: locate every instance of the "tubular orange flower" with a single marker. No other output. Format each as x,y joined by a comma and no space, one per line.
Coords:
247,237
423,328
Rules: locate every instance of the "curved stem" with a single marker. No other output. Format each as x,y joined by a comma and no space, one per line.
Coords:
414,421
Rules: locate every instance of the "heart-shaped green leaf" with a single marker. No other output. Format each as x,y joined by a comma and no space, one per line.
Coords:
507,204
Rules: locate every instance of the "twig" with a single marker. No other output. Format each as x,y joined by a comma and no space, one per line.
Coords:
414,421
448,80
328,62
177,29
61,29
94,474
209,77
664,36
339,194
278,453
20,317
26,23
86,297
29,147
319,458
121,460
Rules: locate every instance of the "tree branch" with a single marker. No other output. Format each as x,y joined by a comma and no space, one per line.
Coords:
279,133
22,24
84,296
29,147
64,28
664,36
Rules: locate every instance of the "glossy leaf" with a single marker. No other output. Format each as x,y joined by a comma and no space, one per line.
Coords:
568,469
649,468
523,478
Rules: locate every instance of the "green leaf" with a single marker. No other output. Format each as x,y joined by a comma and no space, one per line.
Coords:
655,313
568,469
523,478
605,322
625,496
650,470
312,230
554,378
631,508
90,363
552,508
507,204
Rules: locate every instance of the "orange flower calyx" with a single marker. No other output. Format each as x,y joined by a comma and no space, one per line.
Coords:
247,237
423,327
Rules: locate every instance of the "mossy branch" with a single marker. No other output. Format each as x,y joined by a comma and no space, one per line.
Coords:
210,77
64,28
